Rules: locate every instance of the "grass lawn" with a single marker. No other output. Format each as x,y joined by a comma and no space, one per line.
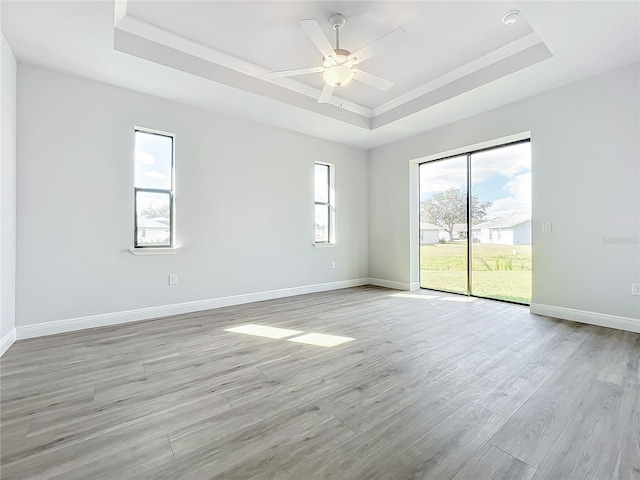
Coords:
498,271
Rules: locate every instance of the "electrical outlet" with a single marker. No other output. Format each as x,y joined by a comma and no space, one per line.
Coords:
635,289
333,264
173,279
546,227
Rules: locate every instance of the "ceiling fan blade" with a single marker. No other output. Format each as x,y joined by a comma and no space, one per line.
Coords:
297,71
325,96
317,36
390,40
373,80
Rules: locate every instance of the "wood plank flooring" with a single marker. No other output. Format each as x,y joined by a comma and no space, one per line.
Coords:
433,386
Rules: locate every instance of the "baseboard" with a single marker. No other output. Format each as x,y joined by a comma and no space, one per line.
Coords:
7,341
582,316
116,318
379,282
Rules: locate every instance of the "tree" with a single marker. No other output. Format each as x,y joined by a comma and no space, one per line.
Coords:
156,212
448,207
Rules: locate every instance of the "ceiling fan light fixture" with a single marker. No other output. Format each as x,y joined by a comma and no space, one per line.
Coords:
337,62
338,75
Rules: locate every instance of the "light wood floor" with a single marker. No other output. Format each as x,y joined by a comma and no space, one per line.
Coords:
433,386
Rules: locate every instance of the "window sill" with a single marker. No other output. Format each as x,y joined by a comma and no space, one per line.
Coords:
153,251
324,245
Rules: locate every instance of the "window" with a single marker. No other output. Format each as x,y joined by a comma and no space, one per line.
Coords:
324,204
153,189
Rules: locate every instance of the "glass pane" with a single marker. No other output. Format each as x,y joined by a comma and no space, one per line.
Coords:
443,225
153,158
322,183
501,217
153,219
322,224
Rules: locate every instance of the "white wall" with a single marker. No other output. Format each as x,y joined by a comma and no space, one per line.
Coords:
7,195
585,176
234,179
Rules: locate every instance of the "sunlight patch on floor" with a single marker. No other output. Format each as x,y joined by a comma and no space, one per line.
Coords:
263,331
321,340
414,295
318,339
461,298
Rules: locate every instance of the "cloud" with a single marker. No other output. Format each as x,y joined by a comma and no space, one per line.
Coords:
518,197
444,174
506,161
144,157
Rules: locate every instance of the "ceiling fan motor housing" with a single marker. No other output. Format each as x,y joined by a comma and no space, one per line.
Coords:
341,55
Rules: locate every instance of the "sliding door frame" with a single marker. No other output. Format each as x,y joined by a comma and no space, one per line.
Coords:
468,155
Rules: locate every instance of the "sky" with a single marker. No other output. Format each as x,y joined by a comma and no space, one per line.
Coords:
153,155
501,175
153,161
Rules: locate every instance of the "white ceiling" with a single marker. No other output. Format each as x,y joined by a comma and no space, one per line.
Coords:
458,59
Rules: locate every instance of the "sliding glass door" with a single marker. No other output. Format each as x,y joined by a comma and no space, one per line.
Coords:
501,239
475,223
443,225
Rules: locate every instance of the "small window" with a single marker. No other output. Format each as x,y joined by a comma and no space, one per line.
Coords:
324,204
153,189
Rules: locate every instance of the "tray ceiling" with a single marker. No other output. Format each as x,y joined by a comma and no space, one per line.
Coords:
457,60
462,45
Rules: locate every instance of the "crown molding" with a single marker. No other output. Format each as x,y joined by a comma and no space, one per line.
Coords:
160,36
508,50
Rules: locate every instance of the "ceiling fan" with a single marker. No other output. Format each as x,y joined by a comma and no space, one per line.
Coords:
337,64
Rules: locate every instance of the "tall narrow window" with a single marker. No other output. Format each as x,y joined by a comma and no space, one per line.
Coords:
153,189
324,221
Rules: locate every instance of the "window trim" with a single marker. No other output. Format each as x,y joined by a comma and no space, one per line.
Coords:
150,248
154,251
331,207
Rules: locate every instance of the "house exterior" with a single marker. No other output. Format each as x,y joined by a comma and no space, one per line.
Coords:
153,230
428,233
511,230
459,232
